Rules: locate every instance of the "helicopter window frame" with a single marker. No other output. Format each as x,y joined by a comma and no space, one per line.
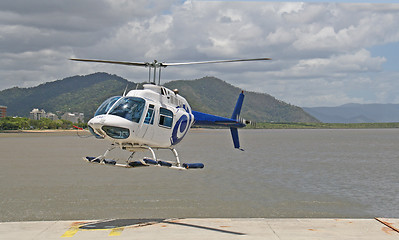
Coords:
150,115
165,117
130,108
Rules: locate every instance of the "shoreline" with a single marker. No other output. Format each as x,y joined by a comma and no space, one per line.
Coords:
300,125
196,129
39,131
36,132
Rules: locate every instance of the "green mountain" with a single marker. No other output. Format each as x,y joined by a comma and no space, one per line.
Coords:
86,93
214,96
356,113
72,94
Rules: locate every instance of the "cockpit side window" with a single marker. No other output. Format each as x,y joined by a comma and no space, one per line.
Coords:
106,105
165,117
130,108
149,117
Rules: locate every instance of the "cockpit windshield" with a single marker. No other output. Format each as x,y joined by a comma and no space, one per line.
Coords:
106,105
130,108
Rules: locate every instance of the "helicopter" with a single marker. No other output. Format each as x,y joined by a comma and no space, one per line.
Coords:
154,118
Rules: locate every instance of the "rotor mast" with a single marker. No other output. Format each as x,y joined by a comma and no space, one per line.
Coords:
155,64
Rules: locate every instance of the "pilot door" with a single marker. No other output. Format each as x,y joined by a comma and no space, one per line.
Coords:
147,129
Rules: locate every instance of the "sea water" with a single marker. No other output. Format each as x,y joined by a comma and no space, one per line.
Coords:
280,174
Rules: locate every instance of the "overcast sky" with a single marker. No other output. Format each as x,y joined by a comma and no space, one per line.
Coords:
324,53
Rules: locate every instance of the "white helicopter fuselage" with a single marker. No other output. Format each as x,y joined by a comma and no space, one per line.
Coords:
154,117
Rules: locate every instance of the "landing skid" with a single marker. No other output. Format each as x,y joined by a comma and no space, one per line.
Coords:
145,162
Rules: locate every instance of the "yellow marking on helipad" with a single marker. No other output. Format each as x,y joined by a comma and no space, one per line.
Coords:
116,231
70,232
78,226
73,229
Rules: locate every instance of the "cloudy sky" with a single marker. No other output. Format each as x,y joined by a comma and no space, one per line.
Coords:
325,53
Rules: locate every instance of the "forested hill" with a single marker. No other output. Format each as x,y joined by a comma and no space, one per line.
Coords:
72,94
356,113
86,93
214,96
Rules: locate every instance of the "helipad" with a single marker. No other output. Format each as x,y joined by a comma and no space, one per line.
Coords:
204,228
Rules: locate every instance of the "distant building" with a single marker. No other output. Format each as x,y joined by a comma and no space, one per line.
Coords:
37,114
73,117
3,111
52,116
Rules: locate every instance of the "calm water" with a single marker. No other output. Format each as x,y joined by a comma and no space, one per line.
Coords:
281,173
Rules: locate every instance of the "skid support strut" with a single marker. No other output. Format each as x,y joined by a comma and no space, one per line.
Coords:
154,161
176,156
152,152
108,151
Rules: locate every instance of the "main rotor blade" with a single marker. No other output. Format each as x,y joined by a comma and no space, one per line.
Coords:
161,64
140,64
219,61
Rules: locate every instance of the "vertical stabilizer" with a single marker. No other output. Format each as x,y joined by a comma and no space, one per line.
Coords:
237,108
234,135
235,116
235,122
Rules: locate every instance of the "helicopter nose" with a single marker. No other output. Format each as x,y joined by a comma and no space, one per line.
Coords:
108,125
95,124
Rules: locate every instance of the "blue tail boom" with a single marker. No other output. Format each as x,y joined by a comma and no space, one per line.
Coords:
204,119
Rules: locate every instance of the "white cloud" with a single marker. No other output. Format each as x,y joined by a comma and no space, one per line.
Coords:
290,7
319,50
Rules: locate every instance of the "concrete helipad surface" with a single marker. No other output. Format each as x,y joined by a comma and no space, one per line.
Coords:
204,228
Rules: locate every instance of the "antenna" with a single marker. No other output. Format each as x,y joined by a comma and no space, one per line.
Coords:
124,93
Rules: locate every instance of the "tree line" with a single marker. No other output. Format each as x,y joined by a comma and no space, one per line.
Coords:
21,123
